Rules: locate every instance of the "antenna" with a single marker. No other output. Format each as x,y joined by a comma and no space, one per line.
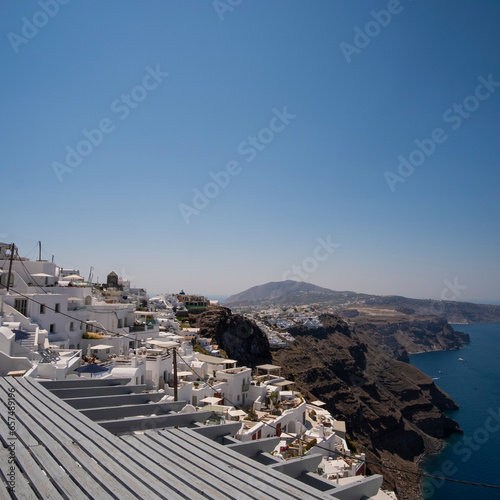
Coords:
12,249
39,250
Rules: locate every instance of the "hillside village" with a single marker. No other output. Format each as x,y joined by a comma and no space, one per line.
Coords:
275,321
70,334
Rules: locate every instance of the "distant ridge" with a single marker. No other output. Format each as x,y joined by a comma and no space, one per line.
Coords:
286,292
296,293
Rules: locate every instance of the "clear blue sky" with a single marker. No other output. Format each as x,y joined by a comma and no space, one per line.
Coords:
352,104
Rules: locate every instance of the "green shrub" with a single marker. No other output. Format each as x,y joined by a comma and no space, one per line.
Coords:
351,444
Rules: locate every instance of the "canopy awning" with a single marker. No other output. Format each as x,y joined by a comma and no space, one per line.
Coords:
206,358
318,403
162,343
92,368
268,367
43,275
283,383
236,413
73,277
211,400
100,347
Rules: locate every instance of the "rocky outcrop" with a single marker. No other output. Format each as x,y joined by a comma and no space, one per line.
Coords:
393,411
451,311
241,338
401,338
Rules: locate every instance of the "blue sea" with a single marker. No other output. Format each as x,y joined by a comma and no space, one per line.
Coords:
474,383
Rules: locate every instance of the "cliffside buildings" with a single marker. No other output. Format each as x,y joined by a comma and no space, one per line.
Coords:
144,378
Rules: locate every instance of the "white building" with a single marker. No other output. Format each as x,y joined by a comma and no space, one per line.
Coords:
237,385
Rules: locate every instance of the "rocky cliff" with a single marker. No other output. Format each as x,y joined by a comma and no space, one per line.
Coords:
393,411
241,338
408,334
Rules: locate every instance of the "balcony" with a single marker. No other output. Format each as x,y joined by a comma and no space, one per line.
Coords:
137,328
74,307
142,328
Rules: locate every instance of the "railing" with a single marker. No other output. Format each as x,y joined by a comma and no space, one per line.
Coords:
141,328
77,308
155,357
137,328
76,354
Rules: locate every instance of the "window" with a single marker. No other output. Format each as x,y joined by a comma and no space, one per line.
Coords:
52,328
42,308
71,327
58,308
21,306
120,323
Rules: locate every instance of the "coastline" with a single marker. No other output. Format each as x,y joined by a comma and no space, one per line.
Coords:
473,385
432,447
436,350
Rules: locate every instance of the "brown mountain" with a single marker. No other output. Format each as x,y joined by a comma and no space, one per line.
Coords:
295,293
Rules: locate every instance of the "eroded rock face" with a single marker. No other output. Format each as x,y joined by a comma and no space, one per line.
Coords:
393,411
420,335
241,338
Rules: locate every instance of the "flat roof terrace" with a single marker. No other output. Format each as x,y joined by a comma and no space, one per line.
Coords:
59,452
